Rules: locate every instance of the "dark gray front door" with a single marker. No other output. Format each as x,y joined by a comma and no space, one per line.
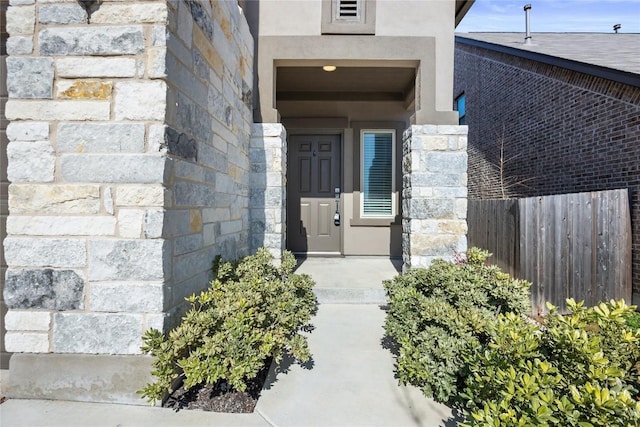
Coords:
313,174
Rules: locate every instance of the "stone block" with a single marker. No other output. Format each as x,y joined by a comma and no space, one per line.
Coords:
434,143
27,320
141,195
215,214
20,45
179,144
213,158
44,289
127,260
159,36
95,67
140,297
107,200
153,223
26,342
21,2
20,19
208,234
188,243
61,225
192,194
28,131
54,199
446,162
155,139
438,245
40,252
130,13
29,77
57,110
201,18
450,192
191,264
89,40
32,161
460,208
195,221
453,129
176,223
230,227
80,377
62,14
457,227
431,209
85,89
97,333
157,62
185,24
129,168
130,223
428,179
189,171
140,100
100,138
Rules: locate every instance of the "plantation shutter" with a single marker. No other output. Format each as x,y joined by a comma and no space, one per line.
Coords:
377,161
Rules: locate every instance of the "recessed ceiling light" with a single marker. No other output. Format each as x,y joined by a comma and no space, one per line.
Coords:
329,68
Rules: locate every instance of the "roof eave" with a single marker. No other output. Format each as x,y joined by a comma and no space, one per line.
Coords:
620,76
462,7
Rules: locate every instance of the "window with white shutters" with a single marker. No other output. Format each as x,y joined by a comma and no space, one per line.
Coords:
378,171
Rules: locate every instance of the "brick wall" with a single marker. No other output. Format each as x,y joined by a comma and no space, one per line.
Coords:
561,131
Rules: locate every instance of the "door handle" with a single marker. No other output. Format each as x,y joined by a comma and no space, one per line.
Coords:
336,216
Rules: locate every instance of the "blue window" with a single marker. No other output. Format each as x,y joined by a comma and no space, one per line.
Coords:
461,106
378,167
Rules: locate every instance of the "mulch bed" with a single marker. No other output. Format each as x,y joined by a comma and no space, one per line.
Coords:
219,397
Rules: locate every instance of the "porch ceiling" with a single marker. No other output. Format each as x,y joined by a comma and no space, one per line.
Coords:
344,84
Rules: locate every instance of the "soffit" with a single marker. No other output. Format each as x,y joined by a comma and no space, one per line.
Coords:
344,84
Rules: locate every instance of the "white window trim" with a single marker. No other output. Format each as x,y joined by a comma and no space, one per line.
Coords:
394,193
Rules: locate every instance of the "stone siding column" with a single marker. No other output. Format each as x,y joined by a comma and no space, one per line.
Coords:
268,201
434,208
128,159
87,264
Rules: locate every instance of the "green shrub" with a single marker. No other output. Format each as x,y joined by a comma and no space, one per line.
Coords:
253,310
439,313
633,320
577,370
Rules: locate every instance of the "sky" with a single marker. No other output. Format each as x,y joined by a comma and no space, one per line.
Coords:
594,16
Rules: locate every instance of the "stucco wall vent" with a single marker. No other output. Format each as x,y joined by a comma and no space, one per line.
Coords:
348,10
348,16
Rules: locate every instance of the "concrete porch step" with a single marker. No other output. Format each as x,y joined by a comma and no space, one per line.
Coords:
350,296
350,280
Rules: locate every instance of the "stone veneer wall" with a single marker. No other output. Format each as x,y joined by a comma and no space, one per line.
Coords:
268,154
128,163
4,184
209,64
434,207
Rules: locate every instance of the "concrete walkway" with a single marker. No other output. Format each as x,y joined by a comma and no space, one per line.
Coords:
349,383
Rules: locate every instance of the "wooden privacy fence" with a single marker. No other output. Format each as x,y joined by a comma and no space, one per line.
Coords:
568,246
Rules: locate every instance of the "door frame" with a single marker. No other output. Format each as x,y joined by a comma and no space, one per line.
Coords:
339,132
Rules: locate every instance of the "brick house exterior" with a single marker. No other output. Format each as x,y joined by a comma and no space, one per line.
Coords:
567,110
